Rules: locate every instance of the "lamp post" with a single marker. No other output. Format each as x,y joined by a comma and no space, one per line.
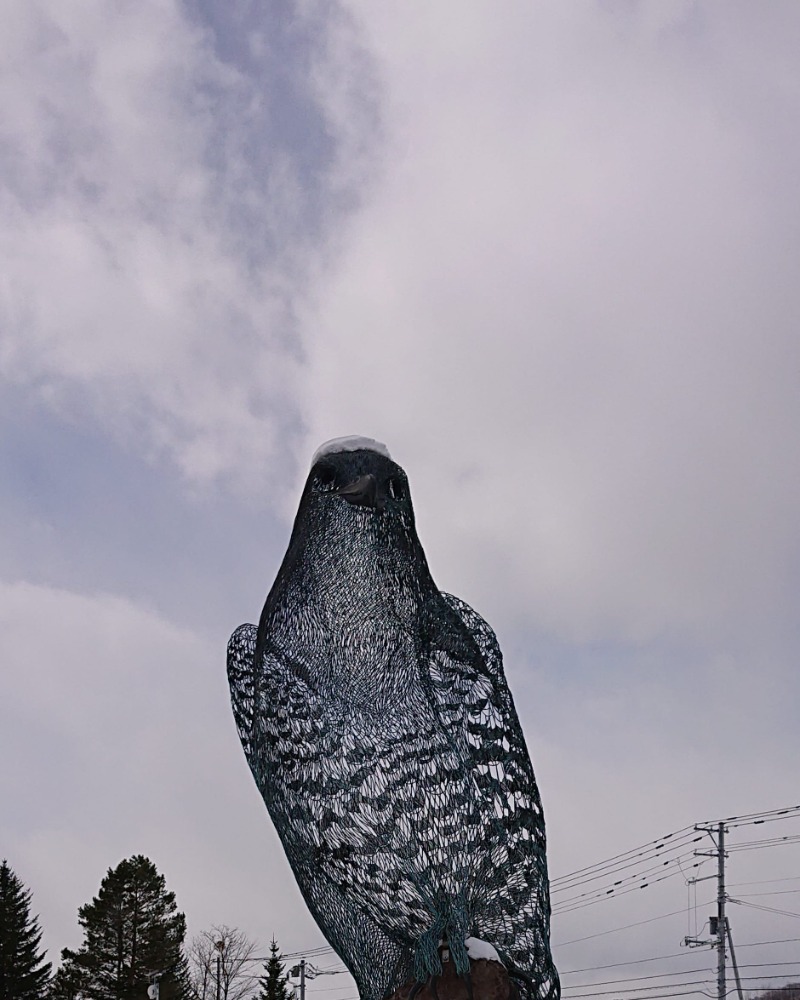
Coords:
219,945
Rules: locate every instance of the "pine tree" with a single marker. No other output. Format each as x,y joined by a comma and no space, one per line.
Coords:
132,930
24,975
67,983
275,983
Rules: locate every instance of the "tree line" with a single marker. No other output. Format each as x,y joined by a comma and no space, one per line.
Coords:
133,948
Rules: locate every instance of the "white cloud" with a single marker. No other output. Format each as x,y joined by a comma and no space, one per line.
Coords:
569,310
124,743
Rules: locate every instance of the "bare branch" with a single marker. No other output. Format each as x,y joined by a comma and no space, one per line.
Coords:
220,955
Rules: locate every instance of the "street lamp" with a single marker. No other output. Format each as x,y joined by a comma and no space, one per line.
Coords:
219,945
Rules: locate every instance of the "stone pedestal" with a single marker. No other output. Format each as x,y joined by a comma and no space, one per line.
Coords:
490,981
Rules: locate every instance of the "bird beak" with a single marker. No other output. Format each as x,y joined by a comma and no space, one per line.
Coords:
361,493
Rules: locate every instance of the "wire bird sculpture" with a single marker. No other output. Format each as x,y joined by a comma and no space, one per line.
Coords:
378,725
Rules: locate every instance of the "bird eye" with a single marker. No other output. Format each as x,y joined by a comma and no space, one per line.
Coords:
326,477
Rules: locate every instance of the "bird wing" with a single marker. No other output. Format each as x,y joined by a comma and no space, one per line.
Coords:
241,648
334,795
475,705
280,720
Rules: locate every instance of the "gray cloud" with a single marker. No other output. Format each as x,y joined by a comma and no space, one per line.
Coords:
548,256
159,226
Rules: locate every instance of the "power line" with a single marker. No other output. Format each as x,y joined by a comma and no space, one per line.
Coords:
626,858
651,846
775,892
615,892
668,975
638,961
667,844
681,955
625,878
751,845
625,927
794,987
307,953
636,857
767,881
754,819
759,979
654,864
761,965
616,992
639,979
328,989
759,944
608,871
769,909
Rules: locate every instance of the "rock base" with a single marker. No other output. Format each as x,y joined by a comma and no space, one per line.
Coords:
490,981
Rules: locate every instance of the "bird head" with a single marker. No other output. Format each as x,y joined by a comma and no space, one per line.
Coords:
359,471
356,516
354,568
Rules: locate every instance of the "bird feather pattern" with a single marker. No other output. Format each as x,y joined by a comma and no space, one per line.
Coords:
377,722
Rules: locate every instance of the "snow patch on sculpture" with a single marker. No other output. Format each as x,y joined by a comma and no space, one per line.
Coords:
481,949
353,442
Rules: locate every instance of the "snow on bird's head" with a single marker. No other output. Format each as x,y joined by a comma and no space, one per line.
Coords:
352,443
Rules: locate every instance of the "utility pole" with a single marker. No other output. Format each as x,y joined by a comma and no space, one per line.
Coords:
718,926
300,970
733,959
305,970
721,991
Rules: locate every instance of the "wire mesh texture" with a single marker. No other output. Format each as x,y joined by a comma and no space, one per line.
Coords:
377,722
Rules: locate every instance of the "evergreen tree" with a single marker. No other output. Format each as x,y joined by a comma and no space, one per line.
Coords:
132,931
24,975
275,983
67,983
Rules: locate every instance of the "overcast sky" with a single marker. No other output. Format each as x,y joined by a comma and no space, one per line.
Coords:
548,252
